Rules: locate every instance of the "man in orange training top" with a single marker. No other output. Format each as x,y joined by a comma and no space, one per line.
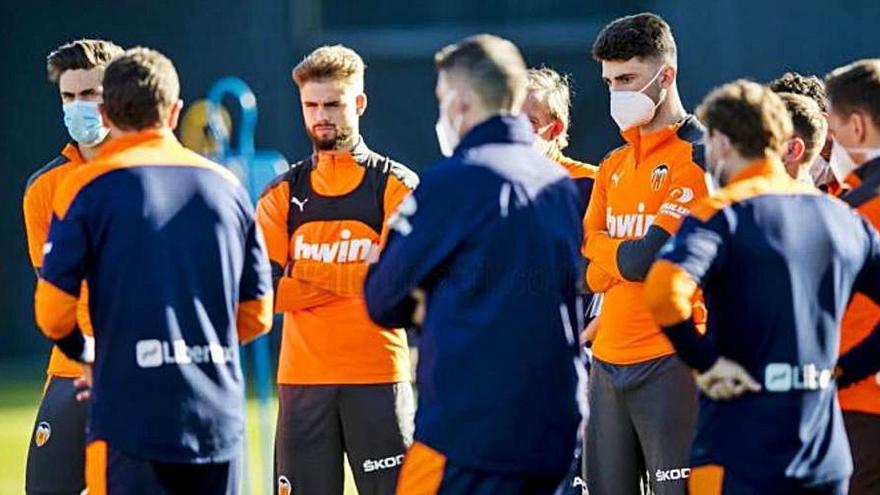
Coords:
643,399
343,381
56,454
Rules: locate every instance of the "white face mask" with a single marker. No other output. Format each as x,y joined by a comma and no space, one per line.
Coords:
841,161
819,171
540,144
447,131
634,108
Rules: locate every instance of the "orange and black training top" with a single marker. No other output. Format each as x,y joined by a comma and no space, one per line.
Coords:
38,196
322,220
862,315
178,277
642,193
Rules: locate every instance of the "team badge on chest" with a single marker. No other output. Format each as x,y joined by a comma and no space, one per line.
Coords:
658,176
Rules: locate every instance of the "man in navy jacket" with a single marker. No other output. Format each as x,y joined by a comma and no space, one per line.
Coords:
485,255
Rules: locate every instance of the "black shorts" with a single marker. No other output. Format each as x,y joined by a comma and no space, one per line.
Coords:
863,431
56,454
317,424
111,472
427,472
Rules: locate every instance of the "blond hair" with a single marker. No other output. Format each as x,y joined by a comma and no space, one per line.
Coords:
331,63
751,115
552,89
492,65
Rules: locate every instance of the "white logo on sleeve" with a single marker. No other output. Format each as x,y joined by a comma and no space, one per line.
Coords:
683,195
298,203
47,248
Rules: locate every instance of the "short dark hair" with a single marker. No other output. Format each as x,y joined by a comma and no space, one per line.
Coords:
494,67
80,54
752,116
808,121
140,87
810,86
856,87
644,35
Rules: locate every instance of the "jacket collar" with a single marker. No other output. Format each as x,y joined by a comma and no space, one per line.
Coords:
765,167
498,129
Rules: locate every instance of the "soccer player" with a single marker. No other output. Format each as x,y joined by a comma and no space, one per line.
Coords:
178,277
548,106
485,256
344,384
813,88
777,260
810,129
643,399
854,116
56,455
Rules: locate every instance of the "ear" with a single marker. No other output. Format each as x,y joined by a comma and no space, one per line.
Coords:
105,120
174,114
556,129
794,150
668,76
360,103
860,126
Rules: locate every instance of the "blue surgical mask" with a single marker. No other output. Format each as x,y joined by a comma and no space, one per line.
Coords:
83,121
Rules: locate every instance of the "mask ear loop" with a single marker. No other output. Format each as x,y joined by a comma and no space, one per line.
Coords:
652,79
656,76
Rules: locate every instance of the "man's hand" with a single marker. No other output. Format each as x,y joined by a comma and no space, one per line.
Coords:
83,384
589,333
726,380
419,313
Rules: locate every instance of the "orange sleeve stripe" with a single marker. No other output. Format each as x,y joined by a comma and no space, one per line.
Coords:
96,467
706,480
295,295
272,211
254,318
83,317
422,471
669,292
742,191
75,182
146,148
55,310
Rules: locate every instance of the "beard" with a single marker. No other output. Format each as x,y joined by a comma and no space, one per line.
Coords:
339,139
